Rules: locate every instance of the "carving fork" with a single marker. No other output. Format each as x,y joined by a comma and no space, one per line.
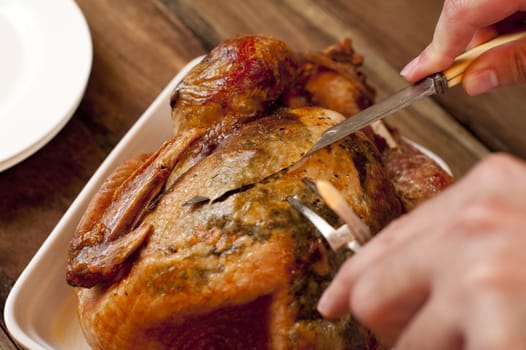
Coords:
352,235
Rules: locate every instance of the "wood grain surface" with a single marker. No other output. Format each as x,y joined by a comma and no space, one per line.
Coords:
140,45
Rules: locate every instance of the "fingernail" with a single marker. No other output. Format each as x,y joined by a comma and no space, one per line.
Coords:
323,304
478,83
410,67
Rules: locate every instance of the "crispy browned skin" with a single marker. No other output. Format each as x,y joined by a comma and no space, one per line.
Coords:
238,80
208,268
111,230
221,260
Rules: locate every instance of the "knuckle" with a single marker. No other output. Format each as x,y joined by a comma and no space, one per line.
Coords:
490,186
479,216
494,170
492,273
455,9
483,277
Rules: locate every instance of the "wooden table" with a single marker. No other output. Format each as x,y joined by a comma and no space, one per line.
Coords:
140,45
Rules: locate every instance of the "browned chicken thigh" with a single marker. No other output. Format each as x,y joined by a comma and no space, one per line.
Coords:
195,246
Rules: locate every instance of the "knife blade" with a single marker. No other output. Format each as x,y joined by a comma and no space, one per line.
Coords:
435,84
403,98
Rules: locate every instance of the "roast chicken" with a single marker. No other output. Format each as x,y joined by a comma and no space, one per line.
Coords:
195,246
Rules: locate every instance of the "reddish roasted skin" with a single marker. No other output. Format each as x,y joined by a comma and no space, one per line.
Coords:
195,247
238,80
415,176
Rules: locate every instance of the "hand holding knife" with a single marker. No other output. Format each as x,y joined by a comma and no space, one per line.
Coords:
434,84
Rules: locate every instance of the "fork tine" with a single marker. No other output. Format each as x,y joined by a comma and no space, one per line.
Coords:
310,184
323,226
336,238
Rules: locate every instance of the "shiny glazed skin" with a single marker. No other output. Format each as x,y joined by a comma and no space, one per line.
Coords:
246,252
238,80
218,257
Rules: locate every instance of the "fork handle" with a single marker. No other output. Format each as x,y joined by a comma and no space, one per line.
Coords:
455,73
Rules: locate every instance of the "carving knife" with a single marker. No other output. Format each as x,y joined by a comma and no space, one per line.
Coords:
435,84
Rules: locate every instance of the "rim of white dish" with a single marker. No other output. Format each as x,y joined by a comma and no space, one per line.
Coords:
49,55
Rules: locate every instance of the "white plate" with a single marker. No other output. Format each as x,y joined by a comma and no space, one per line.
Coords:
45,60
40,311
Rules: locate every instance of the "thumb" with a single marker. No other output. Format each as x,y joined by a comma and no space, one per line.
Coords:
501,66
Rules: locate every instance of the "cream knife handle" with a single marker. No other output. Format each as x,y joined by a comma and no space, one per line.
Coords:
455,73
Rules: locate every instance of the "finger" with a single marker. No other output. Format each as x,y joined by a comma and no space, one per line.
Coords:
481,36
496,322
388,295
493,290
500,175
433,328
501,66
335,301
456,26
508,25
